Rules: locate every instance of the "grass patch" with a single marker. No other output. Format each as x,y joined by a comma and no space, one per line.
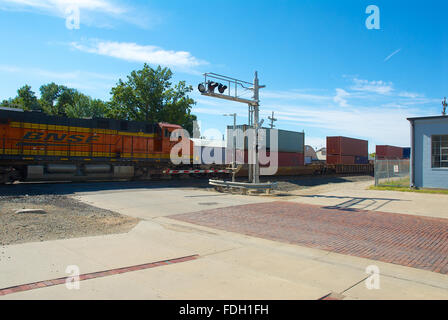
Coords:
407,189
401,183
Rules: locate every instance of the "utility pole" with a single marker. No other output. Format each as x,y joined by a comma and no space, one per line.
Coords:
444,104
272,120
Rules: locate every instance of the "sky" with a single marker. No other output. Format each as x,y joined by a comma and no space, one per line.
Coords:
331,68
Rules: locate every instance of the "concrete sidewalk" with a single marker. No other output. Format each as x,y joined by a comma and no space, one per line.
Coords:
153,203
230,265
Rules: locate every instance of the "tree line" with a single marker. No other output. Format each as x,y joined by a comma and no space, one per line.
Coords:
146,95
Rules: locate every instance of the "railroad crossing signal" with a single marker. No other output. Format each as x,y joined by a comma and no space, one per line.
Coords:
207,88
228,88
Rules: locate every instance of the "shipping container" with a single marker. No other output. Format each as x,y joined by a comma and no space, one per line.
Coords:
288,141
240,137
406,153
347,146
389,152
209,155
340,159
361,160
209,151
284,159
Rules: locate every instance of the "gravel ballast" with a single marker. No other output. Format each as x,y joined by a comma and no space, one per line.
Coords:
64,218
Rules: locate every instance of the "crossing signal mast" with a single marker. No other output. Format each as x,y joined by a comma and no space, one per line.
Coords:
227,88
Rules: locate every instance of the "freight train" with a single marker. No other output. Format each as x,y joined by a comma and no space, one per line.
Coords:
38,147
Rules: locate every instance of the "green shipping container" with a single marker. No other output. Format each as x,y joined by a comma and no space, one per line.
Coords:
288,141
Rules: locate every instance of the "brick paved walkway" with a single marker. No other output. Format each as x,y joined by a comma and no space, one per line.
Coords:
419,242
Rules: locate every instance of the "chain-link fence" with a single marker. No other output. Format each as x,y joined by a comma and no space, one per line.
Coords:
393,173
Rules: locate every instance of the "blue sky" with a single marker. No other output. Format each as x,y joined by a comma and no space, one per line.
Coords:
325,72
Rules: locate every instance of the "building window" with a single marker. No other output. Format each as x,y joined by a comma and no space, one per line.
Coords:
440,151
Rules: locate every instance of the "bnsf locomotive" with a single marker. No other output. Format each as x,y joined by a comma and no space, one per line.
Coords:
38,147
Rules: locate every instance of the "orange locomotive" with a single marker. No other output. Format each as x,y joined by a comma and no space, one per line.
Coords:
35,146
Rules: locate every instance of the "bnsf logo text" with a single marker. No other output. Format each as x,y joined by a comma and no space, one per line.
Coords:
54,137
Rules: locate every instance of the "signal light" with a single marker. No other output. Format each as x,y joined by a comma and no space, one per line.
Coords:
201,88
222,88
212,86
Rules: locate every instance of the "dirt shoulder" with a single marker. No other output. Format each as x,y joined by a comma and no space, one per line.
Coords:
64,218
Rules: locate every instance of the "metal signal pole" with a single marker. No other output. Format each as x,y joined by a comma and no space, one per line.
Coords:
231,85
234,115
256,167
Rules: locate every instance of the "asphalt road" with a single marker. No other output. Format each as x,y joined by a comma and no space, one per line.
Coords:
68,188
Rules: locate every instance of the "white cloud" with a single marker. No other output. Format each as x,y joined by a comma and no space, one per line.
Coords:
376,124
373,110
295,95
90,82
92,12
378,87
69,75
340,97
141,53
58,7
412,95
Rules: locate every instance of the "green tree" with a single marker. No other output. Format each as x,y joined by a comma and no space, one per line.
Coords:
148,95
85,107
178,107
56,98
66,98
7,103
98,108
26,98
49,93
